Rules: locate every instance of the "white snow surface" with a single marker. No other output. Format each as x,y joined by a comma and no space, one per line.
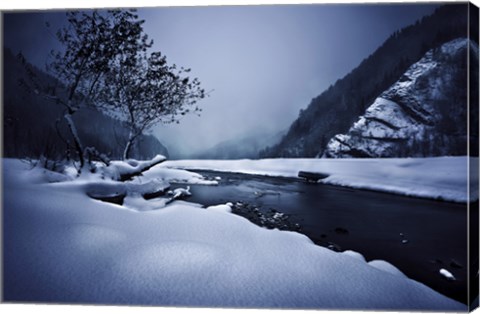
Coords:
225,208
177,176
443,178
387,267
61,246
117,168
448,275
103,184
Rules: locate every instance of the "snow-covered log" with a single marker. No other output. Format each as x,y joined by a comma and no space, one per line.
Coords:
115,192
126,170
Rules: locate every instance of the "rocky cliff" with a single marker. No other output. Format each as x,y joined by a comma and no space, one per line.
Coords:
424,113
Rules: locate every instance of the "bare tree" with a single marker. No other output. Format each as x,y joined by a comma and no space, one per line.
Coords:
144,90
91,43
104,64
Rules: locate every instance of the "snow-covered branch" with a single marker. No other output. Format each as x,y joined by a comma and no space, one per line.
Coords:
126,170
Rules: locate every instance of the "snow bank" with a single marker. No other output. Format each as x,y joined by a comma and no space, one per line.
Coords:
443,178
386,267
226,208
135,194
177,176
61,246
118,169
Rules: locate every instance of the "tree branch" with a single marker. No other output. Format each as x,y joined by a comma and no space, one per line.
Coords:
137,172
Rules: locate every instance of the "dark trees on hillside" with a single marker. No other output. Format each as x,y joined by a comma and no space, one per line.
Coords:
334,111
29,129
90,43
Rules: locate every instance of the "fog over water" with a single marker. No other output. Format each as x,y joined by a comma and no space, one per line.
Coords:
262,64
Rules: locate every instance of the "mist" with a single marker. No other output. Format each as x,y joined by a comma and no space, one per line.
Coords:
259,64
263,64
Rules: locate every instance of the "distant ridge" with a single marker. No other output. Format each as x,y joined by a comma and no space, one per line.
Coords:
336,109
247,146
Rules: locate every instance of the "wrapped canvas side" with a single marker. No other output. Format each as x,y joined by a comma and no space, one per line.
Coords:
473,152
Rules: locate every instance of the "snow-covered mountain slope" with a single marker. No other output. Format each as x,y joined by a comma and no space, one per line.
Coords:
424,113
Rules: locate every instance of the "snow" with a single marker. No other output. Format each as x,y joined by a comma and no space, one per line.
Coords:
138,203
177,176
118,168
354,255
62,246
181,192
408,114
443,178
102,184
446,274
386,267
225,208
389,111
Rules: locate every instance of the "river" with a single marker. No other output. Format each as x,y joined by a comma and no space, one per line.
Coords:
418,236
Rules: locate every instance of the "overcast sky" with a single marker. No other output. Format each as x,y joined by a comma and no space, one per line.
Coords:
262,63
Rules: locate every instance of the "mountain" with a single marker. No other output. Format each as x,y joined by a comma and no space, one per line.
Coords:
337,108
32,124
249,146
424,113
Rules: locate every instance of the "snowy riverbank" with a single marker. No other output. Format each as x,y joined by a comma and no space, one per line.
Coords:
443,178
62,246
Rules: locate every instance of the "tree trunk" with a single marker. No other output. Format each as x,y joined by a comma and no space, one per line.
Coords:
128,147
76,139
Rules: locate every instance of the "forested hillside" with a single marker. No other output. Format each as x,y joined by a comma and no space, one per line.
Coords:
423,114
334,111
33,125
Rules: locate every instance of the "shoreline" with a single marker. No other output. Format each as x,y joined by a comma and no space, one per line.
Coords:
404,235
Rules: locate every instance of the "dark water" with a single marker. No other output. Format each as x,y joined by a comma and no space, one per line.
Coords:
418,236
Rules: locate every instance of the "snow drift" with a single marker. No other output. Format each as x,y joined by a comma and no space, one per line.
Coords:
62,246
